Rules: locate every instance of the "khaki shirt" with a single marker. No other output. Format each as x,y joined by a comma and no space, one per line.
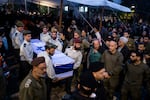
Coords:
32,89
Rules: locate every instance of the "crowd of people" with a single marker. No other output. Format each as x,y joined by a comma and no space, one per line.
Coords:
110,63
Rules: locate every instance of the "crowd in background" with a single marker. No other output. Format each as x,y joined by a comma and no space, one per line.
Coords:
119,46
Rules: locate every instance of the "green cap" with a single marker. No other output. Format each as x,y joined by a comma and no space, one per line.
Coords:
19,24
25,32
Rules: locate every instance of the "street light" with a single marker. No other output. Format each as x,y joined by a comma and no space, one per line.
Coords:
133,8
66,8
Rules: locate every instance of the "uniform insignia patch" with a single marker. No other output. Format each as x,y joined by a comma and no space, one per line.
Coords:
28,82
25,45
15,34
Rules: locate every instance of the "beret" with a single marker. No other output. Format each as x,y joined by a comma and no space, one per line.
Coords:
19,24
25,32
50,45
96,66
87,79
37,61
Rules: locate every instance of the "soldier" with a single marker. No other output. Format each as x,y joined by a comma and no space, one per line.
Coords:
55,39
130,44
17,38
26,55
136,74
75,53
112,60
33,87
49,51
45,35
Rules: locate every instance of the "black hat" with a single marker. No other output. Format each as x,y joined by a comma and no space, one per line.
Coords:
96,66
25,32
50,45
19,24
87,79
37,61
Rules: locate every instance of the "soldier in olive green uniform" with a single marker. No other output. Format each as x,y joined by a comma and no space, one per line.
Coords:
137,73
33,87
112,60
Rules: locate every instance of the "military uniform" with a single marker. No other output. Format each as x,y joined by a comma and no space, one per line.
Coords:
77,56
135,76
57,43
32,89
131,44
113,65
45,37
26,56
17,40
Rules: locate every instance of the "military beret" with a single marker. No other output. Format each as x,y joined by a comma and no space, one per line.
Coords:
96,66
25,32
50,45
19,24
78,40
87,79
37,61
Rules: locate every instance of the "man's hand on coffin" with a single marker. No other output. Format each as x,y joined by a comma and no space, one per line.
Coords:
56,79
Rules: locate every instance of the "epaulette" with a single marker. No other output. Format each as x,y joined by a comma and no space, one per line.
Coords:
28,82
25,45
15,34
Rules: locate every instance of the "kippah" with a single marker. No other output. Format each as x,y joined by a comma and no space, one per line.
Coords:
88,80
96,66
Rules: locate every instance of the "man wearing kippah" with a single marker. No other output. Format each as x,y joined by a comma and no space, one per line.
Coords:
33,87
26,55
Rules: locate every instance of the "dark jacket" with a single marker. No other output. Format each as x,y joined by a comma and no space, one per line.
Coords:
125,52
112,62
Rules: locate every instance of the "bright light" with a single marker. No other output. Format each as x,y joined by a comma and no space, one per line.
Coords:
86,9
44,3
66,8
81,9
132,7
